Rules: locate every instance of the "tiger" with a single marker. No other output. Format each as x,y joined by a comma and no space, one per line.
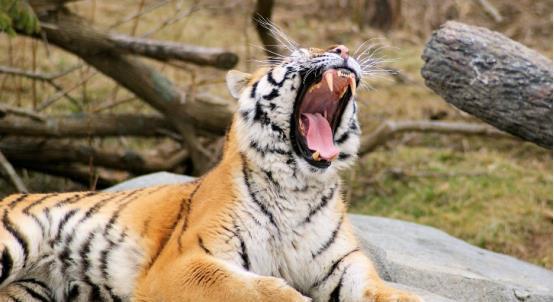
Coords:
267,223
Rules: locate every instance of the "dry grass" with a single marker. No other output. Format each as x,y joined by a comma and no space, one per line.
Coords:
495,194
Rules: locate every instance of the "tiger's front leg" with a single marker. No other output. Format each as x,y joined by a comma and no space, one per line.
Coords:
352,278
203,278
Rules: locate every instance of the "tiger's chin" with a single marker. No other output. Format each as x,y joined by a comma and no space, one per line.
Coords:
319,110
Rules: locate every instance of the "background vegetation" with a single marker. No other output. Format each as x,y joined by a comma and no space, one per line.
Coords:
494,193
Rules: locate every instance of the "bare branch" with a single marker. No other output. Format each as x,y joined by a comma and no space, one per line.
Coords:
12,175
25,73
7,110
48,78
388,129
491,10
167,51
399,76
260,17
37,75
139,14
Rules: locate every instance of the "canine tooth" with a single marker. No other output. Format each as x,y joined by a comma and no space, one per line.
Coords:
315,155
353,85
329,80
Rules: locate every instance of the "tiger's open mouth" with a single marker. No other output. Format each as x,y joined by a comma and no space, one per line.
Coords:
318,110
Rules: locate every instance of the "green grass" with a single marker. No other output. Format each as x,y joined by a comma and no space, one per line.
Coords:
483,196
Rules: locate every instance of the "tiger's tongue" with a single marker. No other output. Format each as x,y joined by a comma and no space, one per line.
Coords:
319,135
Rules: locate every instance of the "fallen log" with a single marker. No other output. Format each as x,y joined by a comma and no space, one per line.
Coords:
493,78
211,116
47,152
96,178
85,125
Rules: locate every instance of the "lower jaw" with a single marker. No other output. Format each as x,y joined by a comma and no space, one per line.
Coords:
300,146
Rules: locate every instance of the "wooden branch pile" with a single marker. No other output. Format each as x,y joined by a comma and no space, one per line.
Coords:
33,140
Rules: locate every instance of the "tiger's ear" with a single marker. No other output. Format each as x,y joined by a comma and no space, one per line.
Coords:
236,81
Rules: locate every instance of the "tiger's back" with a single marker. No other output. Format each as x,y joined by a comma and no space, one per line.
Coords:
85,246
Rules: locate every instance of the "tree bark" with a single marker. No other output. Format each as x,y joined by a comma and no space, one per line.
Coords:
493,78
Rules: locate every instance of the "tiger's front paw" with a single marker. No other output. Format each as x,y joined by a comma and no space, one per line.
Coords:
276,289
389,294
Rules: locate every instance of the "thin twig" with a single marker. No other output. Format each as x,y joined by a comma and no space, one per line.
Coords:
175,18
33,75
45,77
491,10
21,112
52,99
140,13
111,104
12,175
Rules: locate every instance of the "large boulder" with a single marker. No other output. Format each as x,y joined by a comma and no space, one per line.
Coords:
427,261
426,258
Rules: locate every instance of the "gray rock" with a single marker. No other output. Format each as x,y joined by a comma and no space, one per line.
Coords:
427,258
427,261
158,178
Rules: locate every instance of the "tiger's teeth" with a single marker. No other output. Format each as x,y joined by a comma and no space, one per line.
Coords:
315,155
329,80
353,85
314,87
343,92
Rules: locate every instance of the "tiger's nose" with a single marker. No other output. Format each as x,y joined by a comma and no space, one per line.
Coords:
341,50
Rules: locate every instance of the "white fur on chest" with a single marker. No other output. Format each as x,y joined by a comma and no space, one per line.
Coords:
302,223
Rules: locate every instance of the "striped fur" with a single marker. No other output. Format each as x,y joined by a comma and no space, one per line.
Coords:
264,225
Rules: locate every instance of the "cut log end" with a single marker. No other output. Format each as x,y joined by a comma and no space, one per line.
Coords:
226,60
